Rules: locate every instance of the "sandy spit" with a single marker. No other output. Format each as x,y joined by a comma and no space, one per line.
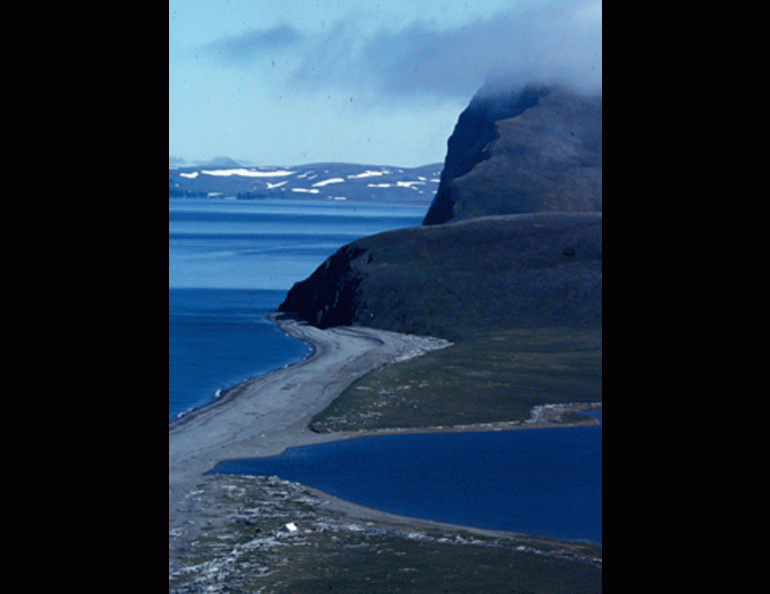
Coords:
265,415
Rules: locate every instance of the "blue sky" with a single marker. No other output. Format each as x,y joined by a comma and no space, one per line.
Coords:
295,82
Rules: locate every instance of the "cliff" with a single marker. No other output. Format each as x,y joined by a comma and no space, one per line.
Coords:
520,152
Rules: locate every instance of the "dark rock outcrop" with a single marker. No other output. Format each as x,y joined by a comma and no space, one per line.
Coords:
519,152
328,297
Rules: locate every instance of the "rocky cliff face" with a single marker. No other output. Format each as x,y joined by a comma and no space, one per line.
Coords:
520,152
328,297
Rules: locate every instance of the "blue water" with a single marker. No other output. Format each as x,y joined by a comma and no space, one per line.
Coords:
545,482
266,244
220,337
230,264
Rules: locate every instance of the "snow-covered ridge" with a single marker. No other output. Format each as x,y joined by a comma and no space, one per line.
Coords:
322,181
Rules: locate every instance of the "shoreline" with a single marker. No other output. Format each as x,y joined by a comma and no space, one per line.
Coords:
226,393
227,388
265,415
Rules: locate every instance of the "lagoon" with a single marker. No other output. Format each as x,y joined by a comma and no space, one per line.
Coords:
544,482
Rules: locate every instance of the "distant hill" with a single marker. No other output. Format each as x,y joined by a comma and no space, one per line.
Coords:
316,181
511,153
222,162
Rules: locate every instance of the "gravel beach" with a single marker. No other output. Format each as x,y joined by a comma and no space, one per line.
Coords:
265,415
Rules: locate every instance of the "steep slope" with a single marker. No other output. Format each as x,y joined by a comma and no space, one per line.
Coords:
519,152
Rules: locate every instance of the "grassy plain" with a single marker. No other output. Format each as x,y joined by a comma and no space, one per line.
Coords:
490,376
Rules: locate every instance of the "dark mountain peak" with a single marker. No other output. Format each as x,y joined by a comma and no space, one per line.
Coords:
476,129
521,150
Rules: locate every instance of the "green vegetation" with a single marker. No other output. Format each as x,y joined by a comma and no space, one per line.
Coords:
388,564
247,552
488,377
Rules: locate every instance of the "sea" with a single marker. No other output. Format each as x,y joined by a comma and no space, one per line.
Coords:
231,262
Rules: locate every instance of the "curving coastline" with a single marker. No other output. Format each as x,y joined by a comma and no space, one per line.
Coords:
265,415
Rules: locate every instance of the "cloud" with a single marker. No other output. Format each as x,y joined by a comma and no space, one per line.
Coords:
250,45
561,41
558,42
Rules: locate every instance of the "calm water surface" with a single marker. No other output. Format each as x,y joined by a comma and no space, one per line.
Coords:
546,482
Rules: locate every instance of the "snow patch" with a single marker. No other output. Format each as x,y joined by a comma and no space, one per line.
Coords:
367,173
334,180
307,190
192,175
247,172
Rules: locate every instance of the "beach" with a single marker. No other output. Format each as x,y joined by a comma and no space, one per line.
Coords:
265,415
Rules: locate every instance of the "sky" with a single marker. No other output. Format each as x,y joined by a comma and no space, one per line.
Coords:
382,83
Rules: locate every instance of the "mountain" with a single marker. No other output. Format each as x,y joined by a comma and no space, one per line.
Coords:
519,152
512,239
315,181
